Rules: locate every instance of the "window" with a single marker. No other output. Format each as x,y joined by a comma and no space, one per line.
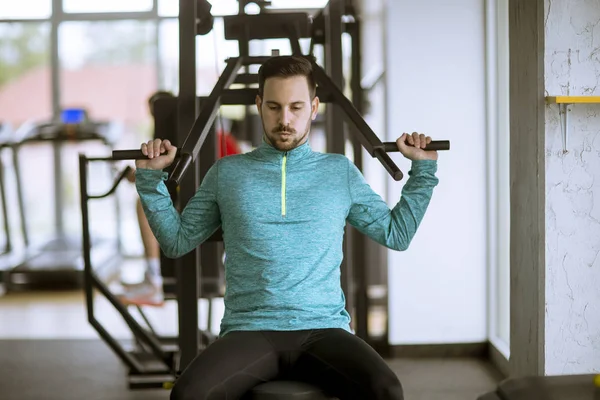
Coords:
299,3
211,52
24,71
170,8
25,97
25,9
109,69
96,6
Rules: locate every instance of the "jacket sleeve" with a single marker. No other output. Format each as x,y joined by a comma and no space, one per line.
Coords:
371,215
178,234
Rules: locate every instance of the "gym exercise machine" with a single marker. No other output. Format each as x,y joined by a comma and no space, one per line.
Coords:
57,263
9,254
195,123
5,140
151,358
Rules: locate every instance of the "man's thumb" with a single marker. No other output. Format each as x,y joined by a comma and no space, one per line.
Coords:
172,151
401,142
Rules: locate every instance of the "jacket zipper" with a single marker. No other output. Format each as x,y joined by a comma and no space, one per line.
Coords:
283,184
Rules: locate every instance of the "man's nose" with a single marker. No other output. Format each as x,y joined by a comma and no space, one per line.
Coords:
285,116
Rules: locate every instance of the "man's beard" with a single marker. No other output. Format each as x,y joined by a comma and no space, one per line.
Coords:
291,142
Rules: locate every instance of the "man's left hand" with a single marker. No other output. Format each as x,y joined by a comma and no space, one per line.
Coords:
411,147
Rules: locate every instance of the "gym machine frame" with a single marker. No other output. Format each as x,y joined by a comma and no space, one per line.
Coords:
56,262
151,361
195,126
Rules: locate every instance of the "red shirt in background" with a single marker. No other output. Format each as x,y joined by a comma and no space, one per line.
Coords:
231,145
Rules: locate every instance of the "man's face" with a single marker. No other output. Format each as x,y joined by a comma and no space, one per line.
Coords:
286,110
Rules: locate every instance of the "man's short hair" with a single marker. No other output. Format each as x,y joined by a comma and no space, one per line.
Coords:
286,67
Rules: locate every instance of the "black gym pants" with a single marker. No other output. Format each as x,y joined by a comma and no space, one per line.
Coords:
333,359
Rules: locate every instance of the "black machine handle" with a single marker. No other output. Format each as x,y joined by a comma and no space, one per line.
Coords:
134,155
388,164
389,147
434,145
381,154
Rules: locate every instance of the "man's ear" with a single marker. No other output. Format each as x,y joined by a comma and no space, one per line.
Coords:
315,108
259,104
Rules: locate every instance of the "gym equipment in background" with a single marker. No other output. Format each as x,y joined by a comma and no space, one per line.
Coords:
57,262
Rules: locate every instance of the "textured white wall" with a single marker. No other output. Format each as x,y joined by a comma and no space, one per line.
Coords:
572,64
435,72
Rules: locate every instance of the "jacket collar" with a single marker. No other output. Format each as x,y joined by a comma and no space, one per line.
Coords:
267,152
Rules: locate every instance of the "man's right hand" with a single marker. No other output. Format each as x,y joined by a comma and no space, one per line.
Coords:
160,154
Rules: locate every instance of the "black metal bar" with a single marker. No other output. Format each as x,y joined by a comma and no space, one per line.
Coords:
19,184
254,60
187,274
294,36
88,280
146,320
359,241
114,186
245,79
197,135
86,240
336,135
58,189
8,240
210,251
389,164
335,125
91,281
127,358
366,136
135,327
434,145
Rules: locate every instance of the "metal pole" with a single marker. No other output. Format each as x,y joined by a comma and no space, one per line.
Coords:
187,267
335,124
210,254
55,72
359,245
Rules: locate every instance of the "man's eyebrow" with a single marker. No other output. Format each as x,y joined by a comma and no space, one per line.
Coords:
276,103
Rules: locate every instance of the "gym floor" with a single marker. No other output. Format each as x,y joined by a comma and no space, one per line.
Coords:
49,351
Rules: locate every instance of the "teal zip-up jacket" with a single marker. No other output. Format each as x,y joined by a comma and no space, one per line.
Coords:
283,216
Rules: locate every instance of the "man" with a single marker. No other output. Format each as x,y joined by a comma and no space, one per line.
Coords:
283,209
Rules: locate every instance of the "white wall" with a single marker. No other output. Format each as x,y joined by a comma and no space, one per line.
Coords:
572,64
436,84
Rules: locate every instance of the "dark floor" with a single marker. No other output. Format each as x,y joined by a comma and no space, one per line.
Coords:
87,369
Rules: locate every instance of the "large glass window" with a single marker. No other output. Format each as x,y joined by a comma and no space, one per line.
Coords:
299,3
25,9
24,72
170,8
109,69
211,52
87,6
25,97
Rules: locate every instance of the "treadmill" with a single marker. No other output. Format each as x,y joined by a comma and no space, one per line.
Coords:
58,263
9,250
5,140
